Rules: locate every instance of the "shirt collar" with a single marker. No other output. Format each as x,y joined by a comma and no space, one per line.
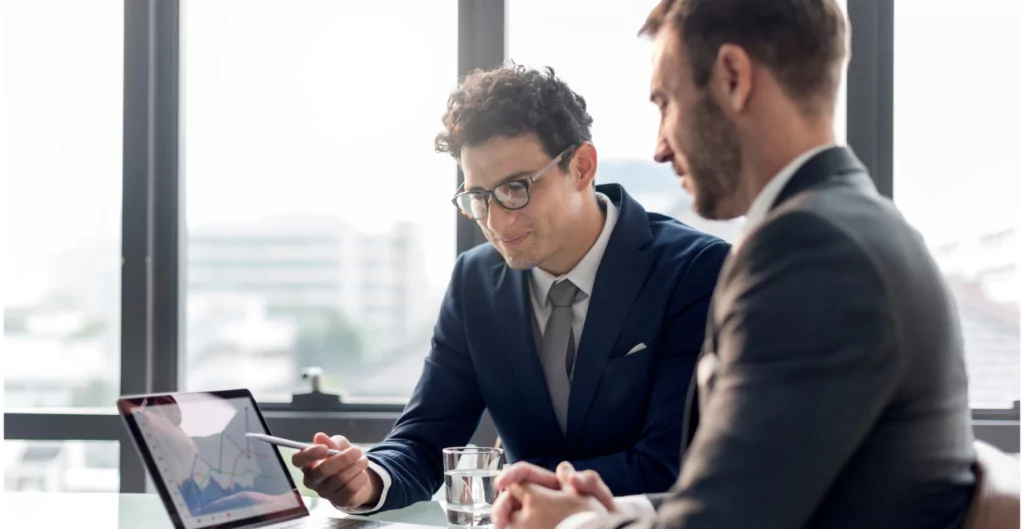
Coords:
762,203
584,273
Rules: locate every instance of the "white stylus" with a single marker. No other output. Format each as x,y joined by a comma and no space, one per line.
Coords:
286,442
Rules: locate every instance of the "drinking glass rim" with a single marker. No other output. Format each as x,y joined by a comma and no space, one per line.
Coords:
472,449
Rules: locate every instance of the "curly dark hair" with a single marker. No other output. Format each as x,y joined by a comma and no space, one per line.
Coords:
511,101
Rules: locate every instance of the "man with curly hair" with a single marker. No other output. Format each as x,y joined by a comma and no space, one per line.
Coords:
577,328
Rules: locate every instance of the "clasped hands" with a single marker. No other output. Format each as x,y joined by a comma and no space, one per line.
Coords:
536,498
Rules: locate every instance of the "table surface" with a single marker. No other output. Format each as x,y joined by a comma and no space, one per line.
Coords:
122,511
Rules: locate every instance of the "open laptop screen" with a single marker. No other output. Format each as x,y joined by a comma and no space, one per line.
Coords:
208,472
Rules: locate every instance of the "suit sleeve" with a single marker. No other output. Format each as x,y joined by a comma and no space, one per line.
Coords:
444,410
652,464
803,373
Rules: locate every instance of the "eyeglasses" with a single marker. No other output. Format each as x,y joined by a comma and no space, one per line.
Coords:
511,195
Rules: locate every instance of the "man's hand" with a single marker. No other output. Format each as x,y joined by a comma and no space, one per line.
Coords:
342,479
566,479
523,472
544,508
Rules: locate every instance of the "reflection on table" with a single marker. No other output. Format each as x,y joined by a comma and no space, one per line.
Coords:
109,510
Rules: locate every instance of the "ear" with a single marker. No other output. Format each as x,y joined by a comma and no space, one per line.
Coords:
584,165
732,78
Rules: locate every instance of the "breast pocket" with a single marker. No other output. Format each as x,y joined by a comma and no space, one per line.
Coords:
630,350
627,378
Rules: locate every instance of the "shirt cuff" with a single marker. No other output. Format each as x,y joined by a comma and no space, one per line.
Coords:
637,507
385,479
577,520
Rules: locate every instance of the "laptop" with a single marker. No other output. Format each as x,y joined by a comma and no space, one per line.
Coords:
209,474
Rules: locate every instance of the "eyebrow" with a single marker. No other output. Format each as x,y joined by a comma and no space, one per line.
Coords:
514,176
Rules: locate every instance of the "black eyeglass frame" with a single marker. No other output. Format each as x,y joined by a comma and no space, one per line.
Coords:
526,182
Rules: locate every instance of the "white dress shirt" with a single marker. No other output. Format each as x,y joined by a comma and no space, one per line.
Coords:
638,506
582,275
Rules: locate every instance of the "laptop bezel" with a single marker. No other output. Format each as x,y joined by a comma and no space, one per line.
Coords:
124,406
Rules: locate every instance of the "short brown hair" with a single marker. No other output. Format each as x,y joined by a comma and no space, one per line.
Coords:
802,42
511,101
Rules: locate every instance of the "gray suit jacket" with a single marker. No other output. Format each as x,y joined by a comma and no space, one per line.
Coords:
832,389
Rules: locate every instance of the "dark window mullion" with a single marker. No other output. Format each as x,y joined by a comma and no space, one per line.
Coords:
150,303
869,95
481,45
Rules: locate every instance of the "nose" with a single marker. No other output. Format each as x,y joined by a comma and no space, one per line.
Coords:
662,152
499,219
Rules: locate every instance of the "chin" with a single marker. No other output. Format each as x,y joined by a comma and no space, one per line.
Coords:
707,207
517,260
521,256
519,264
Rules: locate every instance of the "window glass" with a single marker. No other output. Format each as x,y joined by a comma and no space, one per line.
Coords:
320,228
63,65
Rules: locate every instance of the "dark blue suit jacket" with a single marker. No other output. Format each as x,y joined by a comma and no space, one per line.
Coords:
625,412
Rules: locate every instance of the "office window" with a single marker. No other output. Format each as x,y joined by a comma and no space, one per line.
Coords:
62,202
61,466
957,170
311,176
593,46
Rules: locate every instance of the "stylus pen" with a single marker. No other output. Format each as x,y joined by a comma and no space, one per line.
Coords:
286,442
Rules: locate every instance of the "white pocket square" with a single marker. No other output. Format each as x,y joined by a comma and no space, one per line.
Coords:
637,348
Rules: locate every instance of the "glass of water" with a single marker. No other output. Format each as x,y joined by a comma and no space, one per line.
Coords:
469,474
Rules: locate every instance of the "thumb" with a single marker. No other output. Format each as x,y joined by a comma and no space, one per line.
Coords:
565,472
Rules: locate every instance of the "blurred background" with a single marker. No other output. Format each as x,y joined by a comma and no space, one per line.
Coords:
302,218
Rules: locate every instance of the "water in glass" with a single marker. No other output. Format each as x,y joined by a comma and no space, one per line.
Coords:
469,475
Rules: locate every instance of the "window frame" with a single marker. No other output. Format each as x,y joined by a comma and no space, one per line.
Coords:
152,226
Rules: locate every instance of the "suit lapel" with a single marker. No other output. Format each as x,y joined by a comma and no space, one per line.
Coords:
620,277
692,411
515,329
691,419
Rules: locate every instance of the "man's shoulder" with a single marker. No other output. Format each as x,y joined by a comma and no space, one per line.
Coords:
674,241
801,231
674,245
839,228
844,215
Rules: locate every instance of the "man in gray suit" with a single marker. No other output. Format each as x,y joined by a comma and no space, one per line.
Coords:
831,389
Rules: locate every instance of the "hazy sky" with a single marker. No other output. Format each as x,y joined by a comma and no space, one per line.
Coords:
304,106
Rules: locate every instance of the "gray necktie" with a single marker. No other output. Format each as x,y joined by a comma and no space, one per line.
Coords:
558,348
